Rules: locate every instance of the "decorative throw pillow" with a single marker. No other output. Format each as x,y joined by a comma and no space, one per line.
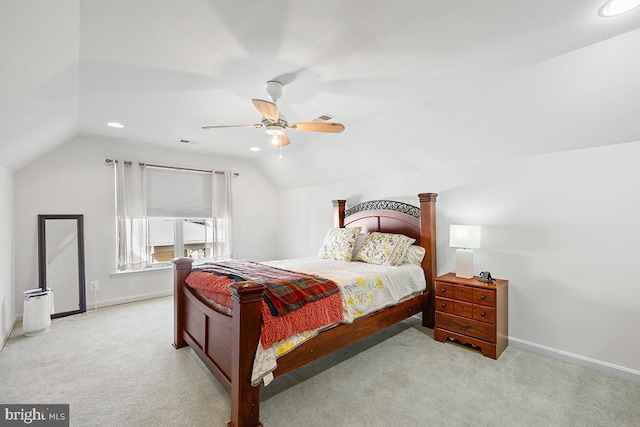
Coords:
384,248
338,244
415,255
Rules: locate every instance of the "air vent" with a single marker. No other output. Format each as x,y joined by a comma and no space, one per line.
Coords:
323,118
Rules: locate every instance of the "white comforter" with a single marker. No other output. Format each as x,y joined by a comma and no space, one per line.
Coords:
365,288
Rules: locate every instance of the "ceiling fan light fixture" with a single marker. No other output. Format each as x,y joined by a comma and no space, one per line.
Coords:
275,130
617,7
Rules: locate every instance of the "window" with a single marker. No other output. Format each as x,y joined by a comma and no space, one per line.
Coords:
182,237
165,212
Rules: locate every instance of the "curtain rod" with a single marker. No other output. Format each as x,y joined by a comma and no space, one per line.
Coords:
129,163
126,162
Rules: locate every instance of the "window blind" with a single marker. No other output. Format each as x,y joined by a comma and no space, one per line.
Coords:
176,193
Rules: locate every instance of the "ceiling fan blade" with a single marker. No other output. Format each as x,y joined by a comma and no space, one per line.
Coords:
281,140
268,109
257,125
318,127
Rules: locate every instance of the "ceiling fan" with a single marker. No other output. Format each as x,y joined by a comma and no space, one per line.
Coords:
275,123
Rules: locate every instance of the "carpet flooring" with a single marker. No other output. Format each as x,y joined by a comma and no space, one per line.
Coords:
116,367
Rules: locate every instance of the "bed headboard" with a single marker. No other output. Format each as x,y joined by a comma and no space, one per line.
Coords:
389,216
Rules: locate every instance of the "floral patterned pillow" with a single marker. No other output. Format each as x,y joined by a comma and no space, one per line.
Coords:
338,244
384,248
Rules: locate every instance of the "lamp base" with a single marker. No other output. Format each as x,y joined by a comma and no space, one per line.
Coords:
464,263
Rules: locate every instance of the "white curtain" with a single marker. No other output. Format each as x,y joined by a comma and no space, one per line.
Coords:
131,227
222,215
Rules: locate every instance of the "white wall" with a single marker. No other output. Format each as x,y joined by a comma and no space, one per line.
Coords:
7,292
562,228
74,179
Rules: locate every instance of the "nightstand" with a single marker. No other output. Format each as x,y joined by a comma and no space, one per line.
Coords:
472,312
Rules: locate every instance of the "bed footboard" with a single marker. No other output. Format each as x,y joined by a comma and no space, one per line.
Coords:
226,344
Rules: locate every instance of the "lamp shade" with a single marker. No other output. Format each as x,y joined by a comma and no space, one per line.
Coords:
464,236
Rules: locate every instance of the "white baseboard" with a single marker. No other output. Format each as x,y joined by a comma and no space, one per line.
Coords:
7,334
586,362
91,305
125,300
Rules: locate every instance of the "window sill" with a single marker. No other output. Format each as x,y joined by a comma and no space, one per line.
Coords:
141,271
168,266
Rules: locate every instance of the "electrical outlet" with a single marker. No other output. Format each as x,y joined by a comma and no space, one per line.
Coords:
94,286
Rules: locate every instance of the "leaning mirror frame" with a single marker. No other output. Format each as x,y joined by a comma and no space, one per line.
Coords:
42,259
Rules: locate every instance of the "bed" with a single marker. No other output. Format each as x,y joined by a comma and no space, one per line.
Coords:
227,342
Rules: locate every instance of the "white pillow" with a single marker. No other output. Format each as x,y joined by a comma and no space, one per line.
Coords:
338,244
384,248
415,255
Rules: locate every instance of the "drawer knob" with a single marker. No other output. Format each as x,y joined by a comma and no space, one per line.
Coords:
444,305
483,296
443,290
483,314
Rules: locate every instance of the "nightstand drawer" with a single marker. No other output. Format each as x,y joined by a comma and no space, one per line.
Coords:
461,325
444,304
462,293
444,290
484,297
462,308
484,314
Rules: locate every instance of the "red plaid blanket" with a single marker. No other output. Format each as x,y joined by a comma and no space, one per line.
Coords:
286,290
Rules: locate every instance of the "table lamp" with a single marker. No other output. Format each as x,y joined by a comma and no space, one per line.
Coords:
465,238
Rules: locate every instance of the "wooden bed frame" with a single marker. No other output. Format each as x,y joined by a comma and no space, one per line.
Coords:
227,344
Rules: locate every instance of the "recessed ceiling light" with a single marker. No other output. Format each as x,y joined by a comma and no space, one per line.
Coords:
254,148
115,125
617,7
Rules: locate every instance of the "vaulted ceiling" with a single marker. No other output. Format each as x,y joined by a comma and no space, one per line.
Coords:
417,83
